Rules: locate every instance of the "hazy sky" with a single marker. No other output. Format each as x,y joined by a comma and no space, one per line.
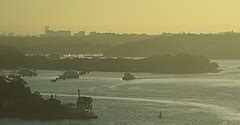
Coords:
140,16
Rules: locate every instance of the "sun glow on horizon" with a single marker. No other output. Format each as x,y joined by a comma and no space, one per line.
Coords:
149,16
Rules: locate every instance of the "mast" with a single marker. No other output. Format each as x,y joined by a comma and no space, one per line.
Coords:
55,96
78,100
78,93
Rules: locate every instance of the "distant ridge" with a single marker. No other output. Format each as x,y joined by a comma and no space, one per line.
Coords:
224,45
213,46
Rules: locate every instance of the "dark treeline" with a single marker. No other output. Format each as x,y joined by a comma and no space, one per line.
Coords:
180,63
213,46
88,44
10,57
17,101
16,97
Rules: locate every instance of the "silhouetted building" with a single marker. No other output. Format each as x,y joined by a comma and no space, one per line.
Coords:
46,29
59,33
11,34
81,33
93,33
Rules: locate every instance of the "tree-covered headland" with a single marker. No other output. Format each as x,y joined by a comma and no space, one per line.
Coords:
179,63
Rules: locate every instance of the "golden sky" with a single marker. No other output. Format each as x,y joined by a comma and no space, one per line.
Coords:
139,16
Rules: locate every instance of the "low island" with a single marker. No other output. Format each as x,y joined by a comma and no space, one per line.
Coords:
177,64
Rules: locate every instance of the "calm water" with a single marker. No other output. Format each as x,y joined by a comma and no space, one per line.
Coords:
199,99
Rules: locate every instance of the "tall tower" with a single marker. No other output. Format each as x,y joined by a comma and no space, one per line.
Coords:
46,29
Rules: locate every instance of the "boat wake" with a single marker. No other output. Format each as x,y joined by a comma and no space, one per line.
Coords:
224,113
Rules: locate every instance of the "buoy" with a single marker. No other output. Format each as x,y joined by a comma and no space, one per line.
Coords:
160,115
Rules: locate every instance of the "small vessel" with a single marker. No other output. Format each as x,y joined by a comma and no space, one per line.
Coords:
14,75
160,115
128,76
83,72
26,72
53,80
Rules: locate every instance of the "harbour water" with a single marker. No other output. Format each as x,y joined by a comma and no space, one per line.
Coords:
186,99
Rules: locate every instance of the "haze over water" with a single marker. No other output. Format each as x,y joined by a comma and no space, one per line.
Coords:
123,29
197,99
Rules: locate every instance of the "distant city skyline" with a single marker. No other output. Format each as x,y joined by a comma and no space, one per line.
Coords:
38,30
120,16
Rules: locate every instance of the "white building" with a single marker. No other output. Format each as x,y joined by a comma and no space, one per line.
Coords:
59,33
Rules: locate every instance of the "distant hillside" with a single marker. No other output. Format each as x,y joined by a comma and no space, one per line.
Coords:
89,44
10,56
214,46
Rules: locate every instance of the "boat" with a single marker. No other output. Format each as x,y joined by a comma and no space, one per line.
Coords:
26,72
14,75
17,101
54,80
83,72
128,76
160,115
